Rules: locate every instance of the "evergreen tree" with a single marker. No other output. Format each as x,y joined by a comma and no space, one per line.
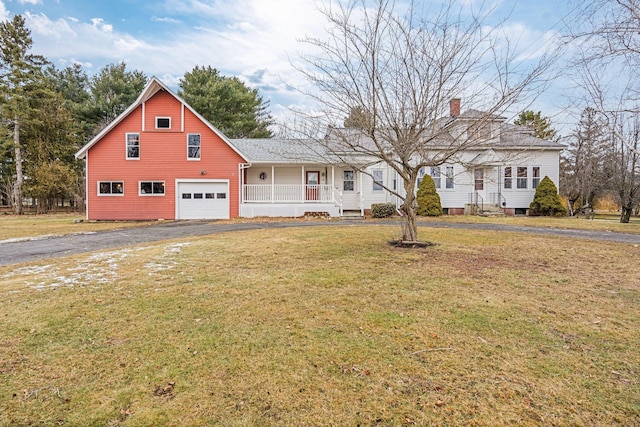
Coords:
21,80
428,198
229,105
546,201
541,126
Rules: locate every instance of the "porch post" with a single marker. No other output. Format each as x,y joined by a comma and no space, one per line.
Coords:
361,194
273,184
303,198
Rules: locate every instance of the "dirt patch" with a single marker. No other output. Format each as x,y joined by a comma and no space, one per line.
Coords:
410,244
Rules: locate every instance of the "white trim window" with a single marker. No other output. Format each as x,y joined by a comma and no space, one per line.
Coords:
193,146
151,188
110,188
535,177
163,122
448,182
435,175
521,181
378,176
133,146
348,181
508,178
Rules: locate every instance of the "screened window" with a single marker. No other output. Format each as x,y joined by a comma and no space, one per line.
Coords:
522,177
348,181
193,146
133,146
163,122
435,174
377,179
448,176
535,176
508,177
111,188
152,188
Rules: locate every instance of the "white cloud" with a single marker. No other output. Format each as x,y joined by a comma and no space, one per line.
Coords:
34,2
4,13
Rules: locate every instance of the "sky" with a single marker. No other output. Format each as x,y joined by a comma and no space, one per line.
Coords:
254,40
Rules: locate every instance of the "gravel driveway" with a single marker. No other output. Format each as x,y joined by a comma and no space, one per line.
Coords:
38,249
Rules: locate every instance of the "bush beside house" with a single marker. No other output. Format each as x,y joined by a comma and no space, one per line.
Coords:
546,201
382,210
428,198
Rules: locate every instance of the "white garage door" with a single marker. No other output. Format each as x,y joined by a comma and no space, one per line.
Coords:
203,200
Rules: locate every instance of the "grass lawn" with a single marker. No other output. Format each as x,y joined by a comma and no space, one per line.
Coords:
326,326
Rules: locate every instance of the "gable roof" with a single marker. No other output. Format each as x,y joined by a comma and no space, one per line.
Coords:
153,86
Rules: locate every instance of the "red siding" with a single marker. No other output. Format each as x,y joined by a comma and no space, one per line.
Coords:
163,157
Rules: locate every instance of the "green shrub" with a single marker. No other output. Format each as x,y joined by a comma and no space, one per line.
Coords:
382,210
546,201
428,198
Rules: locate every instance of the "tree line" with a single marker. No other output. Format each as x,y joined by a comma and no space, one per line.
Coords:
47,114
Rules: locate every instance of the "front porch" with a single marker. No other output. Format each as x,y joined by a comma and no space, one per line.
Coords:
289,200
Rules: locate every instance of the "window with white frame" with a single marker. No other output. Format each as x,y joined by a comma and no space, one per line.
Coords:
448,171
535,176
508,178
521,181
133,146
435,174
110,188
151,188
163,122
421,173
377,179
193,146
348,181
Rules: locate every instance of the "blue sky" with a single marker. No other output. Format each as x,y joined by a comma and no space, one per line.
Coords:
251,39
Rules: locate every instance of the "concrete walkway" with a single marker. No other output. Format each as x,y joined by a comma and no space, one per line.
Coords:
39,249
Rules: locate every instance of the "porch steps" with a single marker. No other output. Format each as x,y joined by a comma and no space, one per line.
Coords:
351,215
489,210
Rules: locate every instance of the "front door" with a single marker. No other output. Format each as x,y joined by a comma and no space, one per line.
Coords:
313,183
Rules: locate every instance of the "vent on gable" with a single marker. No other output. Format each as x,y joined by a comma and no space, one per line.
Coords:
163,122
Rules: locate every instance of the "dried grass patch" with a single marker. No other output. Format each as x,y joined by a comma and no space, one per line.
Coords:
326,326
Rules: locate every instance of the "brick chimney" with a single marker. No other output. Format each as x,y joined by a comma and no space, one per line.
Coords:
454,107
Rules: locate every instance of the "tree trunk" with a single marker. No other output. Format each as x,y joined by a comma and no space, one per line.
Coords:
409,210
625,214
17,188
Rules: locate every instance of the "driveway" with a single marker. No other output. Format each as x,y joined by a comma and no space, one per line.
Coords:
38,249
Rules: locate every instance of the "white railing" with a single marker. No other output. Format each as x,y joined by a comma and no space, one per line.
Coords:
287,193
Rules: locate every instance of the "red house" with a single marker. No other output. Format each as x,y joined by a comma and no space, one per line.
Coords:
160,159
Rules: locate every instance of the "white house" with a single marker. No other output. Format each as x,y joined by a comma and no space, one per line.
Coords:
292,178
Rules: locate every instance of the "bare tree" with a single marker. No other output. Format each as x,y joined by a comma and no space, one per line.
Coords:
399,65
606,35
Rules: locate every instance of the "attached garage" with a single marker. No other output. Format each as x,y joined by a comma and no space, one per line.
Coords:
202,199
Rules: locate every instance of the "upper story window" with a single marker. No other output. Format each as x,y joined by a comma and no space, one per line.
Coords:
480,131
378,175
163,122
133,146
193,146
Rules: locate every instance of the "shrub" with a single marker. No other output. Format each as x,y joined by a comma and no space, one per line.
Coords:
428,198
382,210
546,201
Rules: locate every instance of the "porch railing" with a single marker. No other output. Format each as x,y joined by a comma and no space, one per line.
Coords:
287,193
476,200
497,199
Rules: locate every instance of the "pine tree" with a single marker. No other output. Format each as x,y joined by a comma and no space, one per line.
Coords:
546,201
21,77
541,126
428,198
